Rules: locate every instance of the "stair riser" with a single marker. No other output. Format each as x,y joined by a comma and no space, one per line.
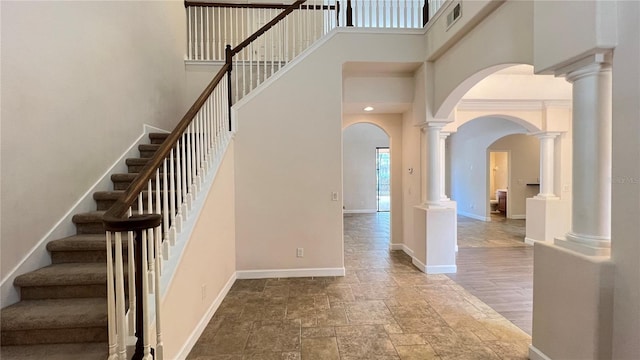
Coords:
65,257
147,153
55,336
103,205
63,292
90,228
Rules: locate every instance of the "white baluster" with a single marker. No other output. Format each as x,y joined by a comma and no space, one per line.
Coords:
150,236
167,192
190,30
131,263
176,180
207,29
111,301
183,178
120,308
158,235
145,299
219,40
159,352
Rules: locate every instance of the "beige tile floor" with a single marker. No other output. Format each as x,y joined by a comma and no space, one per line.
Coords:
383,308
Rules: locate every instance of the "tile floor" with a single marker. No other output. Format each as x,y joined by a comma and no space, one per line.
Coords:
383,308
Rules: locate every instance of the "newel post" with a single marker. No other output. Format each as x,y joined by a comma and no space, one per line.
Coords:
228,53
140,272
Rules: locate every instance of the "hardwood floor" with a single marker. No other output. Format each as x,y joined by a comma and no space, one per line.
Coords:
496,266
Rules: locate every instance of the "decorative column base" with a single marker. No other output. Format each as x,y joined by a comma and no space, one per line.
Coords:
573,304
435,231
547,218
585,244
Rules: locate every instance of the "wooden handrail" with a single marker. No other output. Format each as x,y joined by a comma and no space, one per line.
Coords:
266,27
113,216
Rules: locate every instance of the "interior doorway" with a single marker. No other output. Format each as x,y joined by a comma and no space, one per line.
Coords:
383,166
498,183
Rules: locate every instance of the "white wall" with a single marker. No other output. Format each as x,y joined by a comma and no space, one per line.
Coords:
78,81
359,185
469,163
392,125
289,158
625,201
411,182
207,265
524,168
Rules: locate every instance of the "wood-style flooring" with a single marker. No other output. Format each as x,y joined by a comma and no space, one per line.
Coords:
496,266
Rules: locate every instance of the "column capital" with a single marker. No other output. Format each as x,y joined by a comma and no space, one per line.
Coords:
444,135
589,65
547,134
434,124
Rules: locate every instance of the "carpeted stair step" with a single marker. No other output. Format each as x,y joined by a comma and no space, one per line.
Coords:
147,150
54,321
84,248
106,199
64,281
135,165
89,223
158,138
81,351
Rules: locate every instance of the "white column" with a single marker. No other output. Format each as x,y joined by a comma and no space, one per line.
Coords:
433,159
443,164
590,231
547,153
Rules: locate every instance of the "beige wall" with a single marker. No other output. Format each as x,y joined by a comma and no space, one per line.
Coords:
625,201
392,125
288,154
411,182
78,81
208,262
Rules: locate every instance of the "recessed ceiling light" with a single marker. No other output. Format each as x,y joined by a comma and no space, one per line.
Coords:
368,108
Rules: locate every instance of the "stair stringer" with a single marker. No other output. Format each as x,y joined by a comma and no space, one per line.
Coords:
38,256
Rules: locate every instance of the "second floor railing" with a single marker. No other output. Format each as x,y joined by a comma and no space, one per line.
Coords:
212,26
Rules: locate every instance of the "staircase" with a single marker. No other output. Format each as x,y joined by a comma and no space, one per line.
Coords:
63,310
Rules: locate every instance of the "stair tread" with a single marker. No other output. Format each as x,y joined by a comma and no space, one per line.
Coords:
88,217
149,147
55,314
65,274
80,351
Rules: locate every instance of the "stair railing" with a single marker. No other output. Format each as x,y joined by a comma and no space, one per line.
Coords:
153,208
143,225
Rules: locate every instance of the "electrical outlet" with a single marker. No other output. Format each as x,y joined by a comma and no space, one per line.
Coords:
334,196
300,252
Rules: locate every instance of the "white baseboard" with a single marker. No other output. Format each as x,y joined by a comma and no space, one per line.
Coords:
441,269
536,354
197,332
519,217
360,211
417,263
38,256
530,241
474,216
289,273
403,248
